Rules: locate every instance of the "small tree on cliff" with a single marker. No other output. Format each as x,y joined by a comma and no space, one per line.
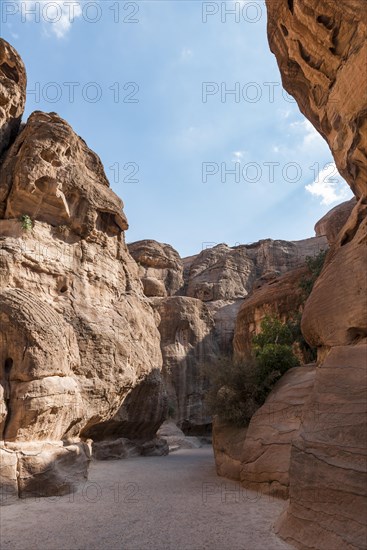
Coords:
238,389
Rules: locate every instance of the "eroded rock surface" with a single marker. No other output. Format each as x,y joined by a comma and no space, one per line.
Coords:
228,444
332,223
223,276
321,51
266,452
79,346
13,83
282,298
50,174
160,267
187,343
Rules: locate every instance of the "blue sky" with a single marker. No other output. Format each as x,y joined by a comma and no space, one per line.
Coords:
147,85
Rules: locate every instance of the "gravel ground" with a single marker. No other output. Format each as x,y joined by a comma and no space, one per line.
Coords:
159,503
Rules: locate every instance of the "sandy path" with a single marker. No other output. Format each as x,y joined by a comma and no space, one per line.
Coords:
175,502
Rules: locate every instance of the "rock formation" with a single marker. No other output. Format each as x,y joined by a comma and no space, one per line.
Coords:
160,267
282,297
79,344
223,276
13,83
332,223
259,455
228,445
187,343
198,299
321,52
266,451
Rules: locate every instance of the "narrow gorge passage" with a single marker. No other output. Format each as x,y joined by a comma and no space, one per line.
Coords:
176,501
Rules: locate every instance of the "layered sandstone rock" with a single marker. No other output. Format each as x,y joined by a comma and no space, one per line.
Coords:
328,459
13,83
51,175
321,51
266,452
160,267
79,345
187,343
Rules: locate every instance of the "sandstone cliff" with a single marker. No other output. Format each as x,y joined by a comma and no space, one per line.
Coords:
198,300
79,344
321,52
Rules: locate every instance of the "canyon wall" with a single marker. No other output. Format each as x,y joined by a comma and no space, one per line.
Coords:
80,351
198,300
321,51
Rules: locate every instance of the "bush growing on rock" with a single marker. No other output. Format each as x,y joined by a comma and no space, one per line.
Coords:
238,389
315,265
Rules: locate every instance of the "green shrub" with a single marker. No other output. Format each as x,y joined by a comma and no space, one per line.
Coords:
238,389
315,265
309,353
232,393
26,222
273,331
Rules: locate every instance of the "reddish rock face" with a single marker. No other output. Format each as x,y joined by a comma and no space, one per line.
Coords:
13,84
321,52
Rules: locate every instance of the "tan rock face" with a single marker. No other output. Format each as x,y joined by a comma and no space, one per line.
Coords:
228,444
187,342
321,51
266,452
111,357
42,469
160,267
51,175
79,345
13,83
332,223
222,276
335,313
328,460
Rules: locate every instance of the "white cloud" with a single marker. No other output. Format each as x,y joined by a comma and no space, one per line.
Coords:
57,15
238,155
310,136
329,185
186,54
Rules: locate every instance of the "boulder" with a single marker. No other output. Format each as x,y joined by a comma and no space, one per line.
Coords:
160,267
228,443
43,469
